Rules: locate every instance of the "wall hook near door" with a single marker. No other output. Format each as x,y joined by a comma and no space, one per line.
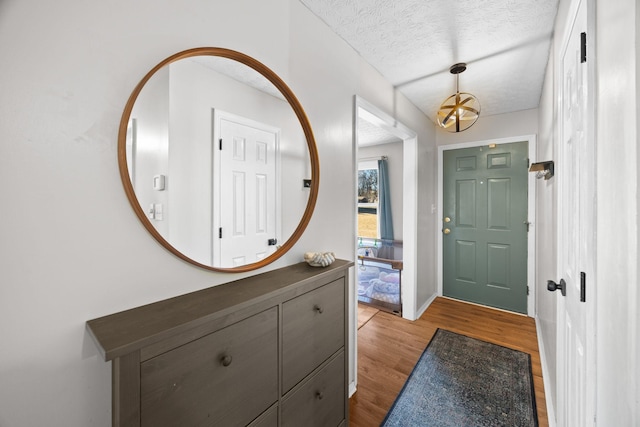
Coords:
543,169
553,286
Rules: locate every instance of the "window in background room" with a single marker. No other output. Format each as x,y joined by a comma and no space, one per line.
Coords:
368,199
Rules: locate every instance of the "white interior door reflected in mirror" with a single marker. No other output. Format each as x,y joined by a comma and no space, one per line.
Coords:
253,194
246,174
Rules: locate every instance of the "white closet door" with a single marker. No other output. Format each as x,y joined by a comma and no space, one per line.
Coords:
246,181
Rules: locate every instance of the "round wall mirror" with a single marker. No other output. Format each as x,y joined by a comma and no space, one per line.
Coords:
218,159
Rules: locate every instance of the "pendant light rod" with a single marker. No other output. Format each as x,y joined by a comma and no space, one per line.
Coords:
457,69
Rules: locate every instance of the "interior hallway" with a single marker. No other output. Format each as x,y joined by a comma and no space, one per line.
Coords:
389,347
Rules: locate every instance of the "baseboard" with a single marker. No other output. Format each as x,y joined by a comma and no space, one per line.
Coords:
426,305
551,413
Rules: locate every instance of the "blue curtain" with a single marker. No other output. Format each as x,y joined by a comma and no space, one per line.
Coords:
384,202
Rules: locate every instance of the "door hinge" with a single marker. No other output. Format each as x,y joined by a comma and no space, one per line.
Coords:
583,286
527,289
583,47
220,233
220,144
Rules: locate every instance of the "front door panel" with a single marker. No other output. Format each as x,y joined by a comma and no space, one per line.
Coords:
485,240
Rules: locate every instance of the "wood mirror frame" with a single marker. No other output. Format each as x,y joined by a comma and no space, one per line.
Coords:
298,110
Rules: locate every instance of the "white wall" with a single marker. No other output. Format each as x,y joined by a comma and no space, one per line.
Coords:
71,247
393,151
617,193
637,304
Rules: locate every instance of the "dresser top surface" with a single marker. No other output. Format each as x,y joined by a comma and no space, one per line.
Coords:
121,333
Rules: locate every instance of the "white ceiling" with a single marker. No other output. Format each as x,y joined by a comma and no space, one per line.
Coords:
413,43
372,134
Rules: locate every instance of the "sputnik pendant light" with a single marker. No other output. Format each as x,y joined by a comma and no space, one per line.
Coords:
461,110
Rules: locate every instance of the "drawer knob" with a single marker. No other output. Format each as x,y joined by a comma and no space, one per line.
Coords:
319,309
226,360
319,395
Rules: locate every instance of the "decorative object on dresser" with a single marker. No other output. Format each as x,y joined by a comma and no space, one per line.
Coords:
319,259
267,350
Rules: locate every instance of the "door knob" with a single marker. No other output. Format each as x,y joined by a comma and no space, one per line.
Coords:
447,219
553,286
446,231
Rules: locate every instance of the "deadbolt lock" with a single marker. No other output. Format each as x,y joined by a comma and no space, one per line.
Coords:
447,219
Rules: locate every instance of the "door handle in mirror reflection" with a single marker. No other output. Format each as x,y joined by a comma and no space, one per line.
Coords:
552,286
446,231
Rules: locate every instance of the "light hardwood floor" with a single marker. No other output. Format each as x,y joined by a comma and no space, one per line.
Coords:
389,347
365,313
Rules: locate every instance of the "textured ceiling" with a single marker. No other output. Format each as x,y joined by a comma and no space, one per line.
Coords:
372,134
413,43
239,72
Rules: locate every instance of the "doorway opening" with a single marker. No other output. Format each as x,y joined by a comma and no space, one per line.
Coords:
386,165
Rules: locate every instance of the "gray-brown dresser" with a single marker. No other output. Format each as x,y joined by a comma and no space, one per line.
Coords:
267,350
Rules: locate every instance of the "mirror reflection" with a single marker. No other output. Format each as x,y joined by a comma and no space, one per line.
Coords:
217,159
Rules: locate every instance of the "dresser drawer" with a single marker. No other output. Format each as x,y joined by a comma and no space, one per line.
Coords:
226,378
320,401
313,330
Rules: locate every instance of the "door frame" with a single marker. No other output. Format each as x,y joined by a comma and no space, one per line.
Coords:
531,209
409,220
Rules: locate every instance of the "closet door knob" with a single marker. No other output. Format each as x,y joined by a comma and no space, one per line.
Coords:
319,395
553,286
319,309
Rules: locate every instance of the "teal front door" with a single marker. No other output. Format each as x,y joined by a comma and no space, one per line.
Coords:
485,225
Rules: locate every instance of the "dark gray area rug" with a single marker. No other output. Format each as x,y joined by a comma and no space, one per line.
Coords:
461,381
